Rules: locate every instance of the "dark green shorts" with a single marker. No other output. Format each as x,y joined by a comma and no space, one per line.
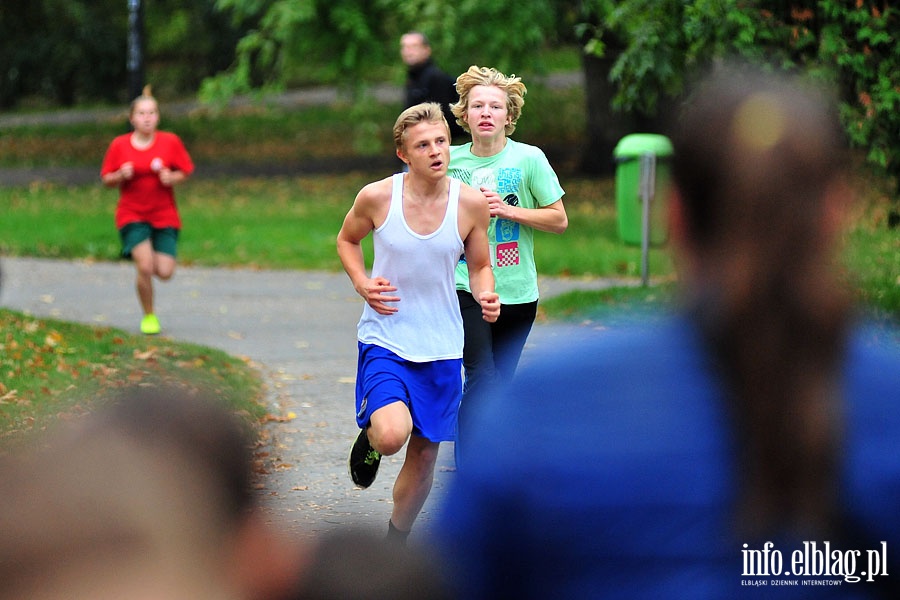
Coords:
163,240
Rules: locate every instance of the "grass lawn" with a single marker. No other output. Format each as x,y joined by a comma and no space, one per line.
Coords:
52,369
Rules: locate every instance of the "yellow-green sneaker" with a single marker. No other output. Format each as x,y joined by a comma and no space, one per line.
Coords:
150,324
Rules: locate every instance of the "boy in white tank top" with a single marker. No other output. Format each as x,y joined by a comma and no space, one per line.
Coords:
410,335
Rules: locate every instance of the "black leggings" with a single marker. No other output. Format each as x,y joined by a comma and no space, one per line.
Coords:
492,350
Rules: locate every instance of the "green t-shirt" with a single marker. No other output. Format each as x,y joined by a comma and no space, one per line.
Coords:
522,175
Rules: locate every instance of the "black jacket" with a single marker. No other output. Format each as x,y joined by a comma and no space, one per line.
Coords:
426,82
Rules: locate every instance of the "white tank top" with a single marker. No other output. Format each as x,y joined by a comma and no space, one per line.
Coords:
427,325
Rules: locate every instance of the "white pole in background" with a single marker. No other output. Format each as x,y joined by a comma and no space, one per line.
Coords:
647,191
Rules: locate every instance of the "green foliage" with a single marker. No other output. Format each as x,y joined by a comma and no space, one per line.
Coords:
66,51
352,44
342,35
60,50
652,61
860,43
354,41
657,45
503,33
873,260
74,51
185,43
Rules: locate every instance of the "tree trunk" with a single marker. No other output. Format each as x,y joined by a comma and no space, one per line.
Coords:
604,128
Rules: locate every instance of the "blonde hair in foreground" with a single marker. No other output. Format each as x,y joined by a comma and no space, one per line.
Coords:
426,112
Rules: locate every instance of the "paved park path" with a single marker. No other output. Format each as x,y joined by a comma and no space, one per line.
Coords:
298,329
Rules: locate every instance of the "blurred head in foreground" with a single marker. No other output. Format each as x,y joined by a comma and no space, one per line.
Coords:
394,571
760,195
149,497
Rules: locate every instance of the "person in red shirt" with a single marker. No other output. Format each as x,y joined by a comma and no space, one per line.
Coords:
145,165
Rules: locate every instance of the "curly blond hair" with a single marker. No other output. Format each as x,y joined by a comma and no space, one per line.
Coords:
512,85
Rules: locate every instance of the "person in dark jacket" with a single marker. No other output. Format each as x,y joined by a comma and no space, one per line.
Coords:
426,82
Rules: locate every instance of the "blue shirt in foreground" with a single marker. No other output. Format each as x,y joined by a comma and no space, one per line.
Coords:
607,471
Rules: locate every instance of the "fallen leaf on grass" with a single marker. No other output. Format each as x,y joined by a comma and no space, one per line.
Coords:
146,355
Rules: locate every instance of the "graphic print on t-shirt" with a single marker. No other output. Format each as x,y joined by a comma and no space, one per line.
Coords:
505,181
507,254
506,232
508,180
483,178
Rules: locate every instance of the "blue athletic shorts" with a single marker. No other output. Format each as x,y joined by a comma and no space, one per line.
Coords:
431,390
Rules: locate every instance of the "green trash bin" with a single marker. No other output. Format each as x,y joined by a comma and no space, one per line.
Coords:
628,155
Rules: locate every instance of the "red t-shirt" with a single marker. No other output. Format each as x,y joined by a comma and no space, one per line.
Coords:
144,198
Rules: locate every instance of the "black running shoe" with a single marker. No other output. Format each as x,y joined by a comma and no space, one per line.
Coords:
363,461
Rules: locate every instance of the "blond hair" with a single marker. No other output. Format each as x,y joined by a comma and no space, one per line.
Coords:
511,85
426,112
146,94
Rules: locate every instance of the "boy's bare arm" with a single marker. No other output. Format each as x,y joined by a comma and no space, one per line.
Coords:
358,223
478,258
